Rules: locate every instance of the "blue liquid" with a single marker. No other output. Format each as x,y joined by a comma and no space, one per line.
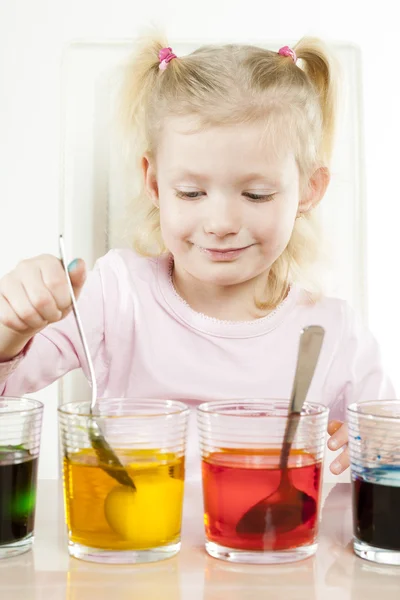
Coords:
376,507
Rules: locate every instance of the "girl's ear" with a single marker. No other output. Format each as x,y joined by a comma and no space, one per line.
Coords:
314,190
150,179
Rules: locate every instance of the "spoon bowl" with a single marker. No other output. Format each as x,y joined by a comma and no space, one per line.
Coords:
284,510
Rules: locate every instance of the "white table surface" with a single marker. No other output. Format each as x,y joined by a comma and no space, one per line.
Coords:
48,573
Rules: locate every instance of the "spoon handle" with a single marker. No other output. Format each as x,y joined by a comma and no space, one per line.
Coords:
309,349
79,324
109,461
311,339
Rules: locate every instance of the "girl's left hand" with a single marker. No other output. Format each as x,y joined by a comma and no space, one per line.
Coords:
339,438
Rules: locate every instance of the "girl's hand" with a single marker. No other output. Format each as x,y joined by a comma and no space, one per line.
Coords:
32,296
339,438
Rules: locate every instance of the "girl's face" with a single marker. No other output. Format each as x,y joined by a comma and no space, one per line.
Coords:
227,201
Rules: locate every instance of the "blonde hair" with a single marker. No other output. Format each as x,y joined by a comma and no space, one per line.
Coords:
226,85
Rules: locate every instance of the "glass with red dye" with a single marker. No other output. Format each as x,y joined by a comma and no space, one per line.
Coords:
240,445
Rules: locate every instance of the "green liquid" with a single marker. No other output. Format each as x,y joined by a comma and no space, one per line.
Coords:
18,475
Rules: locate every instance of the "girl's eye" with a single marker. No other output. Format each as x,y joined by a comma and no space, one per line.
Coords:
189,195
259,197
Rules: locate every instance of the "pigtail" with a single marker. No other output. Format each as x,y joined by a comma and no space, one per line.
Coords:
316,61
141,79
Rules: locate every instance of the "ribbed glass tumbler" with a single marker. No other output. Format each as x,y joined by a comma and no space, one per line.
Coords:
128,512
374,443
20,430
241,445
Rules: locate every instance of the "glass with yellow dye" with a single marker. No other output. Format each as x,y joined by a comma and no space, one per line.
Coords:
111,522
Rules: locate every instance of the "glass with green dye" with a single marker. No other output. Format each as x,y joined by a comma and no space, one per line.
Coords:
20,429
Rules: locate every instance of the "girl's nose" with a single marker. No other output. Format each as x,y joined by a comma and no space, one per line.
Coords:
223,218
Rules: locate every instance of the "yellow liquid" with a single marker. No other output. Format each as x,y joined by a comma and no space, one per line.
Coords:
101,513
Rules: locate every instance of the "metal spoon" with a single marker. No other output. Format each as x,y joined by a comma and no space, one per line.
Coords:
108,460
287,507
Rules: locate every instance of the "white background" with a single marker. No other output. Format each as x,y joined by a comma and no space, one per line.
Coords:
33,35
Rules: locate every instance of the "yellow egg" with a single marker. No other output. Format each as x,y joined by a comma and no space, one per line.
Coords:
149,516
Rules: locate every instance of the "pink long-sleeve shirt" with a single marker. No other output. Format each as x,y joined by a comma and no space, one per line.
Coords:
146,342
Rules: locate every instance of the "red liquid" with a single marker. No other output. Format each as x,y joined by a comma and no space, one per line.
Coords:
235,480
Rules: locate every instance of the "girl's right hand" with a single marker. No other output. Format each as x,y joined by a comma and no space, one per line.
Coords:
338,440
32,296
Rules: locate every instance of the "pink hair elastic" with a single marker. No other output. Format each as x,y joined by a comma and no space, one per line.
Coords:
286,51
165,56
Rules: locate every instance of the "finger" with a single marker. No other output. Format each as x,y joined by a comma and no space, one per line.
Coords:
333,426
9,318
341,463
339,438
77,273
53,277
15,294
39,295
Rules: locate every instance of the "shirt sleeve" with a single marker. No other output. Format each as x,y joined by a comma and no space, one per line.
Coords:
359,360
58,349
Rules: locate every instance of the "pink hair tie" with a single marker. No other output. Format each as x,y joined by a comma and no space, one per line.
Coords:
286,51
165,56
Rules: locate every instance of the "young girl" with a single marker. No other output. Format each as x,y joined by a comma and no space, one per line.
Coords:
234,145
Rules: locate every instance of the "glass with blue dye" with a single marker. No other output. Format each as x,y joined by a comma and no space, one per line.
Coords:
374,444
